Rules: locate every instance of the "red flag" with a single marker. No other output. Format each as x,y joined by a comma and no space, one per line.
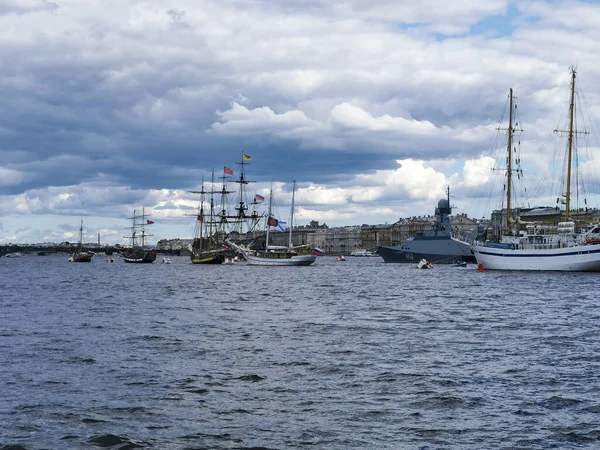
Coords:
272,221
227,170
149,222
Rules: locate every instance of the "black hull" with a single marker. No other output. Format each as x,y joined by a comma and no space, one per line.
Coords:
138,261
82,259
138,257
396,255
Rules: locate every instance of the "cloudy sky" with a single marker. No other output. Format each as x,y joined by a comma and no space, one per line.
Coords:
373,106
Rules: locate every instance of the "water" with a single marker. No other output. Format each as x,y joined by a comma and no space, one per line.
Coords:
356,354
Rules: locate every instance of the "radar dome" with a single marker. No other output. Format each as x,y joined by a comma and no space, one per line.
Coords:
443,204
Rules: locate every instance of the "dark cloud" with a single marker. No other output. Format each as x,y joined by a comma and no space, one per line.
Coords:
26,6
125,107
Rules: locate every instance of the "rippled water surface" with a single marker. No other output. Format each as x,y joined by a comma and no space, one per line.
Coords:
339,355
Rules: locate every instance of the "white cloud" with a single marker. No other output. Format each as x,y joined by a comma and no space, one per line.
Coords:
240,120
9,177
156,95
478,171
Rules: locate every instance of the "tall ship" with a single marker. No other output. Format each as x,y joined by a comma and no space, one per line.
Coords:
205,246
279,255
436,245
137,251
565,246
79,255
245,218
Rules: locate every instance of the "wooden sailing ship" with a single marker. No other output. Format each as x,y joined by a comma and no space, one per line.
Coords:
205,246
80,255
137,252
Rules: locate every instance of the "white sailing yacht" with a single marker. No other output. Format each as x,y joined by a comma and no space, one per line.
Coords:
561,247
279,256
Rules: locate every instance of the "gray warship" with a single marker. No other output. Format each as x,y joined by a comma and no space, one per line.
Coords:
436,245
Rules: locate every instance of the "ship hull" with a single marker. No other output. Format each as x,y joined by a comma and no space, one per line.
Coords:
582,258
439,251
139,260
209,258
279,259
81,257
146,258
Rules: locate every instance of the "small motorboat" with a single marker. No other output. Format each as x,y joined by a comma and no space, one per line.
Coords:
459,264
166,260
341,258
424,264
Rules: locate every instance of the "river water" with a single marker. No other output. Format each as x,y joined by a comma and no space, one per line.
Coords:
339,355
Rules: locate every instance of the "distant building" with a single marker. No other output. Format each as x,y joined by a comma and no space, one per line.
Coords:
542,215
463,227
173,245
339,240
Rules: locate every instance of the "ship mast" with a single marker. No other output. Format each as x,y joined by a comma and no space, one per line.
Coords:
269,218
509,163
509,158
80,235
133,232
200,214
241,217
80,243
569,162
571,133
135,224
143,227
212,205
223,224
292,214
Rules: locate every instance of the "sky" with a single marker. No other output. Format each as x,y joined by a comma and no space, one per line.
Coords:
373,107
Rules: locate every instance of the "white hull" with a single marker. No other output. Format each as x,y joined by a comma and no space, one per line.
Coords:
296,260
580,258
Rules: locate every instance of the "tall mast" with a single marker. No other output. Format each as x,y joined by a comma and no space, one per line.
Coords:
80,244
241,217
135,224
292,214
509,162
269,217
201,213
133,230
571,133
80,234
222,226
569,162
201,221
212,204
143,226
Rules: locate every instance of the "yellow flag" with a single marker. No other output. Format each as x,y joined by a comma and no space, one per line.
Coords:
246,157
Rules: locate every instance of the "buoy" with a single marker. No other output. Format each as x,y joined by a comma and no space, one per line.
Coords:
479,267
